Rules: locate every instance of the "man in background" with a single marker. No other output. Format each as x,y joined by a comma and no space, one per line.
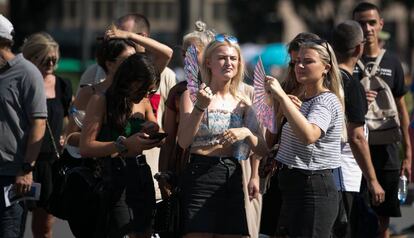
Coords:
348,43
385,157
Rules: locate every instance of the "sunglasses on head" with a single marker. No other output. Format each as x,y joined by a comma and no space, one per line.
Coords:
223,37
324,44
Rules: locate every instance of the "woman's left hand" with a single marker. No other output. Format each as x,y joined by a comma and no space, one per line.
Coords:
253,188
233,135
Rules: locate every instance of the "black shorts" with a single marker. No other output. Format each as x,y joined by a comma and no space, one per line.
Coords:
133,197
386,157
212,196
388,180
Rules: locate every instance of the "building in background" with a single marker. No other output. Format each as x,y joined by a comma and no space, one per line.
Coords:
77,23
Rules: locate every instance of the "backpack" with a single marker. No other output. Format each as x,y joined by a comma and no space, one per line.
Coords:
382,118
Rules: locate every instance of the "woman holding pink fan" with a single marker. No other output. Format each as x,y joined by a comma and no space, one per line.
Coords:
272,197
310,144
172,157
220,126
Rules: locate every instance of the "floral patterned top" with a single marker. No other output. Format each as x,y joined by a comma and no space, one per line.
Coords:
216,121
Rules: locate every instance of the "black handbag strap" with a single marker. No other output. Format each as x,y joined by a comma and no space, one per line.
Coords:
53,139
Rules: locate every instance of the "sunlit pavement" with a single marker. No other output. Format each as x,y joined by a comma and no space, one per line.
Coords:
399,225
61,228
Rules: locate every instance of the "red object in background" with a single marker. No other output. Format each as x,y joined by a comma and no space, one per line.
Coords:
155,102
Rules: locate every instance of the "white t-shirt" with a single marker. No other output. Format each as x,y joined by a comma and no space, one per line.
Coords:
348,176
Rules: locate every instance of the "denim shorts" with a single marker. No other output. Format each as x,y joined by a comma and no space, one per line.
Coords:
310,203
212,196
133,197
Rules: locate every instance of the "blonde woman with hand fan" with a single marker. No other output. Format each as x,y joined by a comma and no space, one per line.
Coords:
220,127
310,144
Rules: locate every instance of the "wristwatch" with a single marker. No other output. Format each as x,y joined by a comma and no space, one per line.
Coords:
120,146
27,167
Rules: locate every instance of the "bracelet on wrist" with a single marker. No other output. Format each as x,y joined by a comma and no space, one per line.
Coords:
199,108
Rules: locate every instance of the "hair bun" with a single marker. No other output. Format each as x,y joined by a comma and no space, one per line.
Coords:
200,26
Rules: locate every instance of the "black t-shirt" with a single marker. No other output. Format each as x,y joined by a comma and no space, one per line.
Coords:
390,71
386,157
355,101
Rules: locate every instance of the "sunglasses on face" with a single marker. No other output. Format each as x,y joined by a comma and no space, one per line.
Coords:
48,60
152,92
222,37
139,95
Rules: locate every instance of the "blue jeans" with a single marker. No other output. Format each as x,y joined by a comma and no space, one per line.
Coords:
13,218
310,203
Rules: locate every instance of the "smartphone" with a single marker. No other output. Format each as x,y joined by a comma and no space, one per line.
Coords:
158,135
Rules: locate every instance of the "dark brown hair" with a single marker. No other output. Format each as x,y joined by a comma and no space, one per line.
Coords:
132,81
365,6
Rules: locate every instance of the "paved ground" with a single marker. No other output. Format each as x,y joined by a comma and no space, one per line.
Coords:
61,228
407,219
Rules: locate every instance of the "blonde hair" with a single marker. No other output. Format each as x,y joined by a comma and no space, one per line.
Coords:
290,85
236,83
333,79
38,46
200,37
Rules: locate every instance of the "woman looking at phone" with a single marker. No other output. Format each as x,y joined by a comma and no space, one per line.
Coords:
114,130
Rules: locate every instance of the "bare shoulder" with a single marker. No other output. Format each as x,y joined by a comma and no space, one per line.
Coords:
83,97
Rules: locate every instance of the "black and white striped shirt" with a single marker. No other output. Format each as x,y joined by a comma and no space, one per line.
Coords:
324,111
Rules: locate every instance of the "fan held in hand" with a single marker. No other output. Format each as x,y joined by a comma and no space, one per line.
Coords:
191,70
262,102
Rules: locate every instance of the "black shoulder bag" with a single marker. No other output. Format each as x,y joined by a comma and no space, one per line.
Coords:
77,184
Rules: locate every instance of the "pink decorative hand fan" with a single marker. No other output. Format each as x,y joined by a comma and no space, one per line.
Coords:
191,70
262,102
